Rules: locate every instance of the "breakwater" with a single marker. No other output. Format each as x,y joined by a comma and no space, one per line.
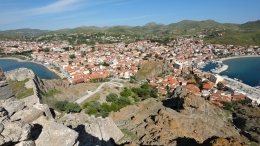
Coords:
221,69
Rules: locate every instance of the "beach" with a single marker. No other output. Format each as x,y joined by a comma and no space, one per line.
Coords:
235,57
48,67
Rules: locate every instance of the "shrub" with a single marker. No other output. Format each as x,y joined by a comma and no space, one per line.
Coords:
114,106
67,106
111,97
72,107
61,105
91,111
228,106
105,107
126,92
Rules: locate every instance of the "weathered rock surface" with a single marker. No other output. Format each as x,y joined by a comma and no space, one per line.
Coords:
153,69
5,89
247,118
13,131
46,85
19,74
93,131
54,134
155,124
13,105
229,141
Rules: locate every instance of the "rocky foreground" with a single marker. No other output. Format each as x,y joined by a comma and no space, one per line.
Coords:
184,119
27,122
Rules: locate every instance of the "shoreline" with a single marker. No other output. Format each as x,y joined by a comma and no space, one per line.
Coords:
236,57
47,67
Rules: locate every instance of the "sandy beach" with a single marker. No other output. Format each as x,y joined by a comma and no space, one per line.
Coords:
228,58
48,67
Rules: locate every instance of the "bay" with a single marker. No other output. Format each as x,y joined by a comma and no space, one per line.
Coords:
246,69
39,70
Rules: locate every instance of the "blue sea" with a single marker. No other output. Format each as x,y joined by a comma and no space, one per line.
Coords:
247,69
39,70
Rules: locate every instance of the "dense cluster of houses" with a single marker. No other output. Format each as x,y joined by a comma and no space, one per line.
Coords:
85,63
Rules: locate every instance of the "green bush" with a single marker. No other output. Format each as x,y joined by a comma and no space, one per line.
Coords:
126,92
72,107
67,106
91,111
105,107
61,105
228,106
111,97
114,106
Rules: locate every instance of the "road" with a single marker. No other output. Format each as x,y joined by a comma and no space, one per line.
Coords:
80,100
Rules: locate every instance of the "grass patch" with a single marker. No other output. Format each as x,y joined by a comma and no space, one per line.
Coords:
19,90
51,93
128,135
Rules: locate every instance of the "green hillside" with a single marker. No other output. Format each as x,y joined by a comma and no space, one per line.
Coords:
214,32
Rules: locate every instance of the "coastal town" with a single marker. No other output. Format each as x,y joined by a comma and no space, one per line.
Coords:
187,56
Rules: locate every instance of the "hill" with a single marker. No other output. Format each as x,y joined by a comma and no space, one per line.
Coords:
213,32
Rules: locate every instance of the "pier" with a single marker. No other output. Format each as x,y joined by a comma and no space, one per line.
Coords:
219,70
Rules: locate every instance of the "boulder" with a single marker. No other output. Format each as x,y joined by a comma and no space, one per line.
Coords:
92,130
13,106
5,89
13,131
54,134
19,74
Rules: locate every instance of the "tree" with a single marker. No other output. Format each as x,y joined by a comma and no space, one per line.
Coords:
111,97
72,56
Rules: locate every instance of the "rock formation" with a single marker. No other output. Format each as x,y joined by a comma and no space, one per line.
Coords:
46,85
247,118
191,118
54,134
19,74
95,131
13,132
15,116
5,89
153,69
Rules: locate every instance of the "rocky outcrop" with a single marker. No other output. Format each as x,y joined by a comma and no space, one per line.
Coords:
19,74
15,115
54,134
247,118
156,123
5,89
153,69
13,132
46,85
93,131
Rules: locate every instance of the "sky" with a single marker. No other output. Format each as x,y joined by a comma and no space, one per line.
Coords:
60,14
